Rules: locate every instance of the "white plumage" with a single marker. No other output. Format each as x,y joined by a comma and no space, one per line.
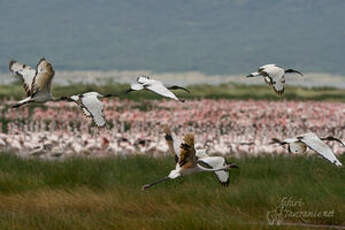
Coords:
37,85
300,144
144,82
25,72
216,163
91,105
36,82
274,76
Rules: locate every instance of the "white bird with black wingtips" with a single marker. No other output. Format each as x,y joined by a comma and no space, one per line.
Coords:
145,83
91,105
37,85
36,82
274,76
189,162
300,144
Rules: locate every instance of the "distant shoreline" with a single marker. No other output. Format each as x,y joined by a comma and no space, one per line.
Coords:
182,78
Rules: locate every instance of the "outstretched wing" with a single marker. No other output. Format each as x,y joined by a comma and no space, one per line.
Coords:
94,106
316,144
91,106
276,75
278,85
25,72
266,66
216,163
42,80
159,88
172,142
187,156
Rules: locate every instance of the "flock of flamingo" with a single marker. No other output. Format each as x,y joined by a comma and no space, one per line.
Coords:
226,127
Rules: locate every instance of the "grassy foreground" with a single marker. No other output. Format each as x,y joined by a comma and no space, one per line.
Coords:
223,91
105,194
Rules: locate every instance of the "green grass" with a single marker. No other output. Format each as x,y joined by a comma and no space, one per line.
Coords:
105,193
223,91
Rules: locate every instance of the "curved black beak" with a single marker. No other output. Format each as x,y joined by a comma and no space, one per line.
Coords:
330,138
277,141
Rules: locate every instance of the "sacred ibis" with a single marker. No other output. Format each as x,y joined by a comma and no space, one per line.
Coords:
188,161
37,85
274,76
144,82
36,82
91,105
301,143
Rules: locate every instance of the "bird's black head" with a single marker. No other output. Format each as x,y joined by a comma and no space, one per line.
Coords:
10,64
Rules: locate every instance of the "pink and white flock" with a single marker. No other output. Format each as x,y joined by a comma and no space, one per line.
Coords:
234,127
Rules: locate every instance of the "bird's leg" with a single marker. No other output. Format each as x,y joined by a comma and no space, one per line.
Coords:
23,102
19,104
146,186
63,99
111,95
175,87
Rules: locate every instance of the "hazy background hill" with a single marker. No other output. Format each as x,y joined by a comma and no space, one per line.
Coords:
214,37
